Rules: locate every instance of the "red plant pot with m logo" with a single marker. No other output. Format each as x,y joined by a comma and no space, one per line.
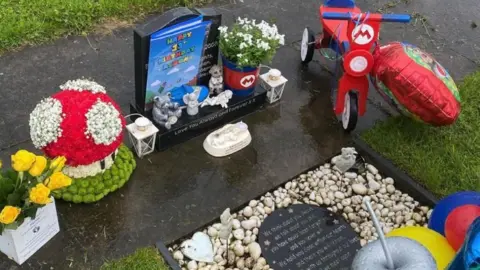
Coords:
241,80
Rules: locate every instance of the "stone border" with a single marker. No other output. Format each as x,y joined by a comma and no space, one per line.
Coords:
167,257
403,182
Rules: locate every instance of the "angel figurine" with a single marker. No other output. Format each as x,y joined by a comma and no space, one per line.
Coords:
191,100
221,99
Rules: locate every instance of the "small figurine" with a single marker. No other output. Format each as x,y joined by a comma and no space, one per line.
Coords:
226,221
345,160
166,112
216,80
191,100
222,99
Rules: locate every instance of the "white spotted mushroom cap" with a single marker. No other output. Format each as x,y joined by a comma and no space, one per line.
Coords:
83,85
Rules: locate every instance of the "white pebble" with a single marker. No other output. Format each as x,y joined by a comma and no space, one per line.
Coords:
372,169
359,189
350,175
248,211
240,263
212,232
178,255
373,185
390,189
249,224
239,234
389,181
239,250
417,217
410,222
268,202
339,195
254,250
253,203
192,265
236,224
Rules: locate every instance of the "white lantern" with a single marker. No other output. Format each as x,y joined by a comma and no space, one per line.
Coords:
274,83
142,134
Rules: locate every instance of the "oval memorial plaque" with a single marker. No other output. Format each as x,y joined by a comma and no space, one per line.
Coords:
307,237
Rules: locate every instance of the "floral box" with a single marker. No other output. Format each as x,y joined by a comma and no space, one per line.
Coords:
28,238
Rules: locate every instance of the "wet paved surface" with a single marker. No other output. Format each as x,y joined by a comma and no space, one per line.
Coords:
173,192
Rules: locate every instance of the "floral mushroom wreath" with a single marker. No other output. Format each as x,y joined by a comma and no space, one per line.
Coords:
81,123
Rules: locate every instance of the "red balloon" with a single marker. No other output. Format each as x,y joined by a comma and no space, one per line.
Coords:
416,84
458,222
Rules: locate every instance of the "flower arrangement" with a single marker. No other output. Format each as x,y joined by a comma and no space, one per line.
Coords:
27,186
84,124
248,43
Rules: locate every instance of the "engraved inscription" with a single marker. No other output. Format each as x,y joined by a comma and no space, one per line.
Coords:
307,237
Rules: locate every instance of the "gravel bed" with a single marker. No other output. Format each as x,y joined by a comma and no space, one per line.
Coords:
342,193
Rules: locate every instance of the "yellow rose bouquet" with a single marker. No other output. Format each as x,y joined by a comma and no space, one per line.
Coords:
27,186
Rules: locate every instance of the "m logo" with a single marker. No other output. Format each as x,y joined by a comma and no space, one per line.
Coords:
247,81
363,34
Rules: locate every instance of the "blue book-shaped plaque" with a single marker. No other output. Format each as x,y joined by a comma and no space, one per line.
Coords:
175,57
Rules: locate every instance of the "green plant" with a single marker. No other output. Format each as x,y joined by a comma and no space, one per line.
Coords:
248,43
94,188
27,185
27,22
143,259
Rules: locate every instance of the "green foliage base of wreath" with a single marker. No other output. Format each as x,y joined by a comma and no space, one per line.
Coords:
94,188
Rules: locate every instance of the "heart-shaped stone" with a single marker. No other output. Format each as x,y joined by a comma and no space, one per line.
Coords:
199,248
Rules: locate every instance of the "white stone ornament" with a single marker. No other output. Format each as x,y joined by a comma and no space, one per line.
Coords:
345,160
199,248
221,99
227,140
226,224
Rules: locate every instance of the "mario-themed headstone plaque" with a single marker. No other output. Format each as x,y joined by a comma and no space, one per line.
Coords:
308,237
177,49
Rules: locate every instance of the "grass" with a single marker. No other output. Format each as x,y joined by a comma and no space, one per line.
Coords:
143,259
444,160
28,22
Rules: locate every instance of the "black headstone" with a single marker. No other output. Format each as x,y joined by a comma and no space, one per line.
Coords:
141,46
307,237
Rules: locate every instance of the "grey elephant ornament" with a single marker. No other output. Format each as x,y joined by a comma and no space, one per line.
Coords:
191,101
165,112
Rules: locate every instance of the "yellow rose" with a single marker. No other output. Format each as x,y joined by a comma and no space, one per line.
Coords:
58,180
22,160
38,166
58,163
9,214
40,194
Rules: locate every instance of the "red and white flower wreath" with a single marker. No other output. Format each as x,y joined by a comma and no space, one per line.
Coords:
82,123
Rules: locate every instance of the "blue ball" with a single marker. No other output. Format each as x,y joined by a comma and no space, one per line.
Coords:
447,204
